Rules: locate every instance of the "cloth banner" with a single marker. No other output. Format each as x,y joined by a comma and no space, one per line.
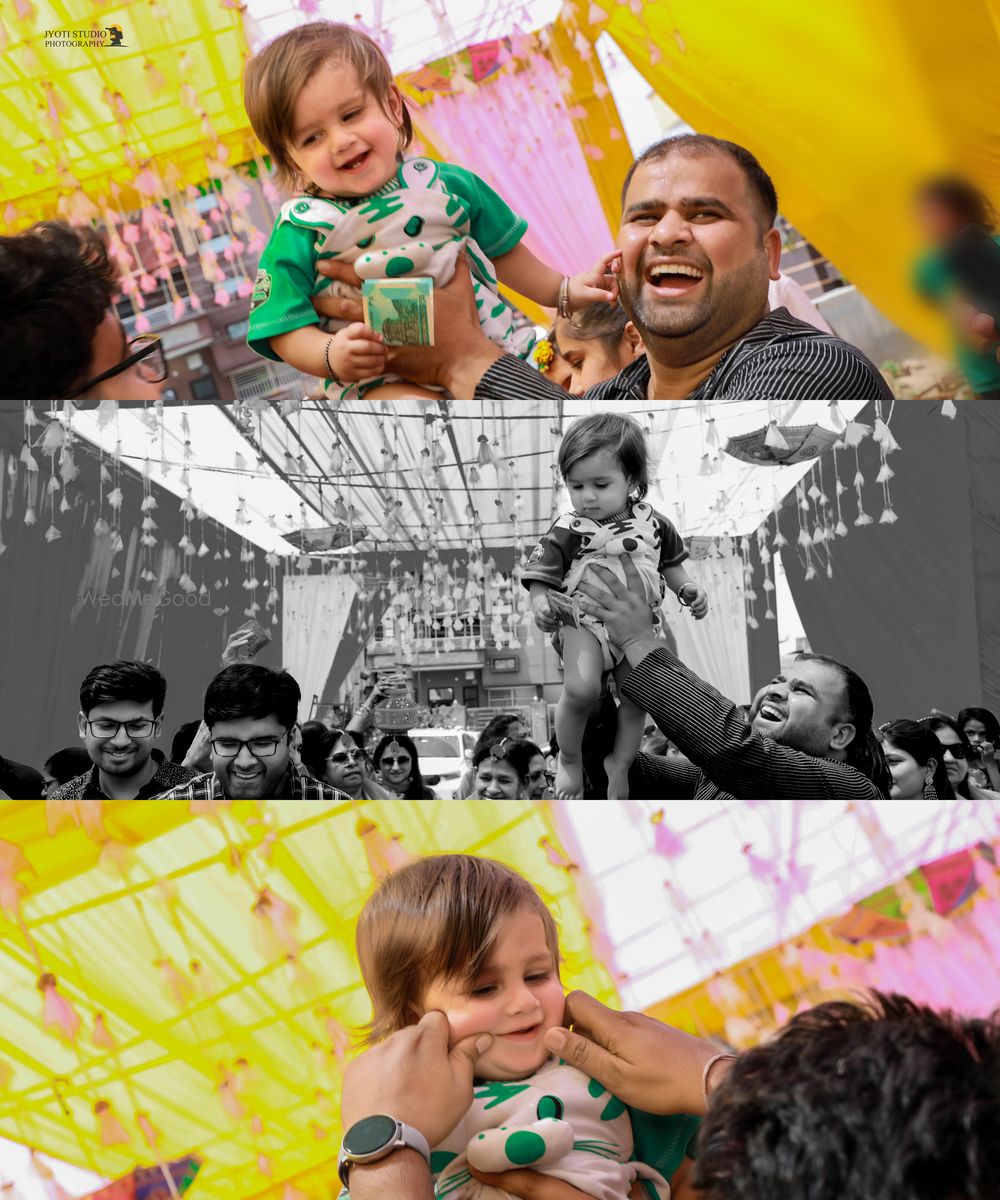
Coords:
315,609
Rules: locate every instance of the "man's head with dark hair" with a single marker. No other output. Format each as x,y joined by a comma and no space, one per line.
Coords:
883,1100
758,181
821,707
698,247
250,711
121,708
123,680
65,765
57,285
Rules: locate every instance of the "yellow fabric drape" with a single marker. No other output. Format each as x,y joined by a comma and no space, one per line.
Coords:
847,107
224,1041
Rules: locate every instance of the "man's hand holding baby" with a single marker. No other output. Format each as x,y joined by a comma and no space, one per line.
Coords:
414,1077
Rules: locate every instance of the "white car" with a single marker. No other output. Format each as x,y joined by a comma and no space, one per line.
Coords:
445,754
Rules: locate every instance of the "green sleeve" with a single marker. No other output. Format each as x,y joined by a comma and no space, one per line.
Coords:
286,279
662,1142
494,224
930,278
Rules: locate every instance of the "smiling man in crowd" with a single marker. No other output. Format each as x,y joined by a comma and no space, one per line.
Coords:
698,248
251,712
808,735
121,714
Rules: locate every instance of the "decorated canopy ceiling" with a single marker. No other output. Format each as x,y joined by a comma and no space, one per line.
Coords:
463,474
193,969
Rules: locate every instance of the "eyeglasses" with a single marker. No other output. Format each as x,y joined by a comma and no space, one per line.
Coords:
104,727
957,750
145,354
258,747
344,756
391,761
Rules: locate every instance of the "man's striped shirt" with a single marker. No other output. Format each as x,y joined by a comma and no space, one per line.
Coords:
780,358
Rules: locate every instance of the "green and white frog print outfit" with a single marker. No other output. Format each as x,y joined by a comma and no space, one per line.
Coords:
558,1122
416,224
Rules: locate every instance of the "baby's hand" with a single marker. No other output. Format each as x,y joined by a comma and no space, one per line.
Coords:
695,598
544,617
599,284
356,352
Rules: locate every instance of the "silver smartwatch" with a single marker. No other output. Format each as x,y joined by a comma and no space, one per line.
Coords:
376,1137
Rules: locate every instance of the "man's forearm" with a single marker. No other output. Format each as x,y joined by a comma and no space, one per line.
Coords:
404,1175
510,379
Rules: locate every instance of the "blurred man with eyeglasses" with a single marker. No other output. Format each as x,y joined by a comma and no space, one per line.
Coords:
251,712
60,337
121,712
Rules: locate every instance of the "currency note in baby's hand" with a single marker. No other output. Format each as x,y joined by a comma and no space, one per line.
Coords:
401,310
566,609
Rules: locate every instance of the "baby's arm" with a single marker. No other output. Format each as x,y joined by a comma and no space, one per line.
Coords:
350,354
686,590
544,618
521,270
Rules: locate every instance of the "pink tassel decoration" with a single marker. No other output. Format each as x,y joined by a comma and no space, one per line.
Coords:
150,1134
556,855
85,813
274,930
12,863
57,1012
384,855
666,843
340,1039
112,1132
177,986
264,1165
101,1036
230,1101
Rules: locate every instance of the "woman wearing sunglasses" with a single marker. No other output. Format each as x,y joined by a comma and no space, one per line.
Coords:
957,751
398,765
333,756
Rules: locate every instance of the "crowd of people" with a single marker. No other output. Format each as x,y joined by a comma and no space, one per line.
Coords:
806,734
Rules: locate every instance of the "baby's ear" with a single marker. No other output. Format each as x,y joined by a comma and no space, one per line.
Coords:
413,1013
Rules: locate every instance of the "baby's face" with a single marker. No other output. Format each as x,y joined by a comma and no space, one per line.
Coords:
343,140
598,487
516,998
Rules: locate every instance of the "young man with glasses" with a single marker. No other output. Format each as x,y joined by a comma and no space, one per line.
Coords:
121,712
60,336
250,712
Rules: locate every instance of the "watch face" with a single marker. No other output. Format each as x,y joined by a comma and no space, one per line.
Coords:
369,1135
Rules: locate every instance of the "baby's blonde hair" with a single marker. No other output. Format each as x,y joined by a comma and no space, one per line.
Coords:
437,918
274,78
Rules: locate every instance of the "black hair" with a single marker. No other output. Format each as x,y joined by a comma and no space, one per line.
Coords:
67,764
510,751
56,287
986,718
497,728
864,751
621,436
250,690
417,788
182,740
963,200
921,744
597,323
692,144
884,1099
123,680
